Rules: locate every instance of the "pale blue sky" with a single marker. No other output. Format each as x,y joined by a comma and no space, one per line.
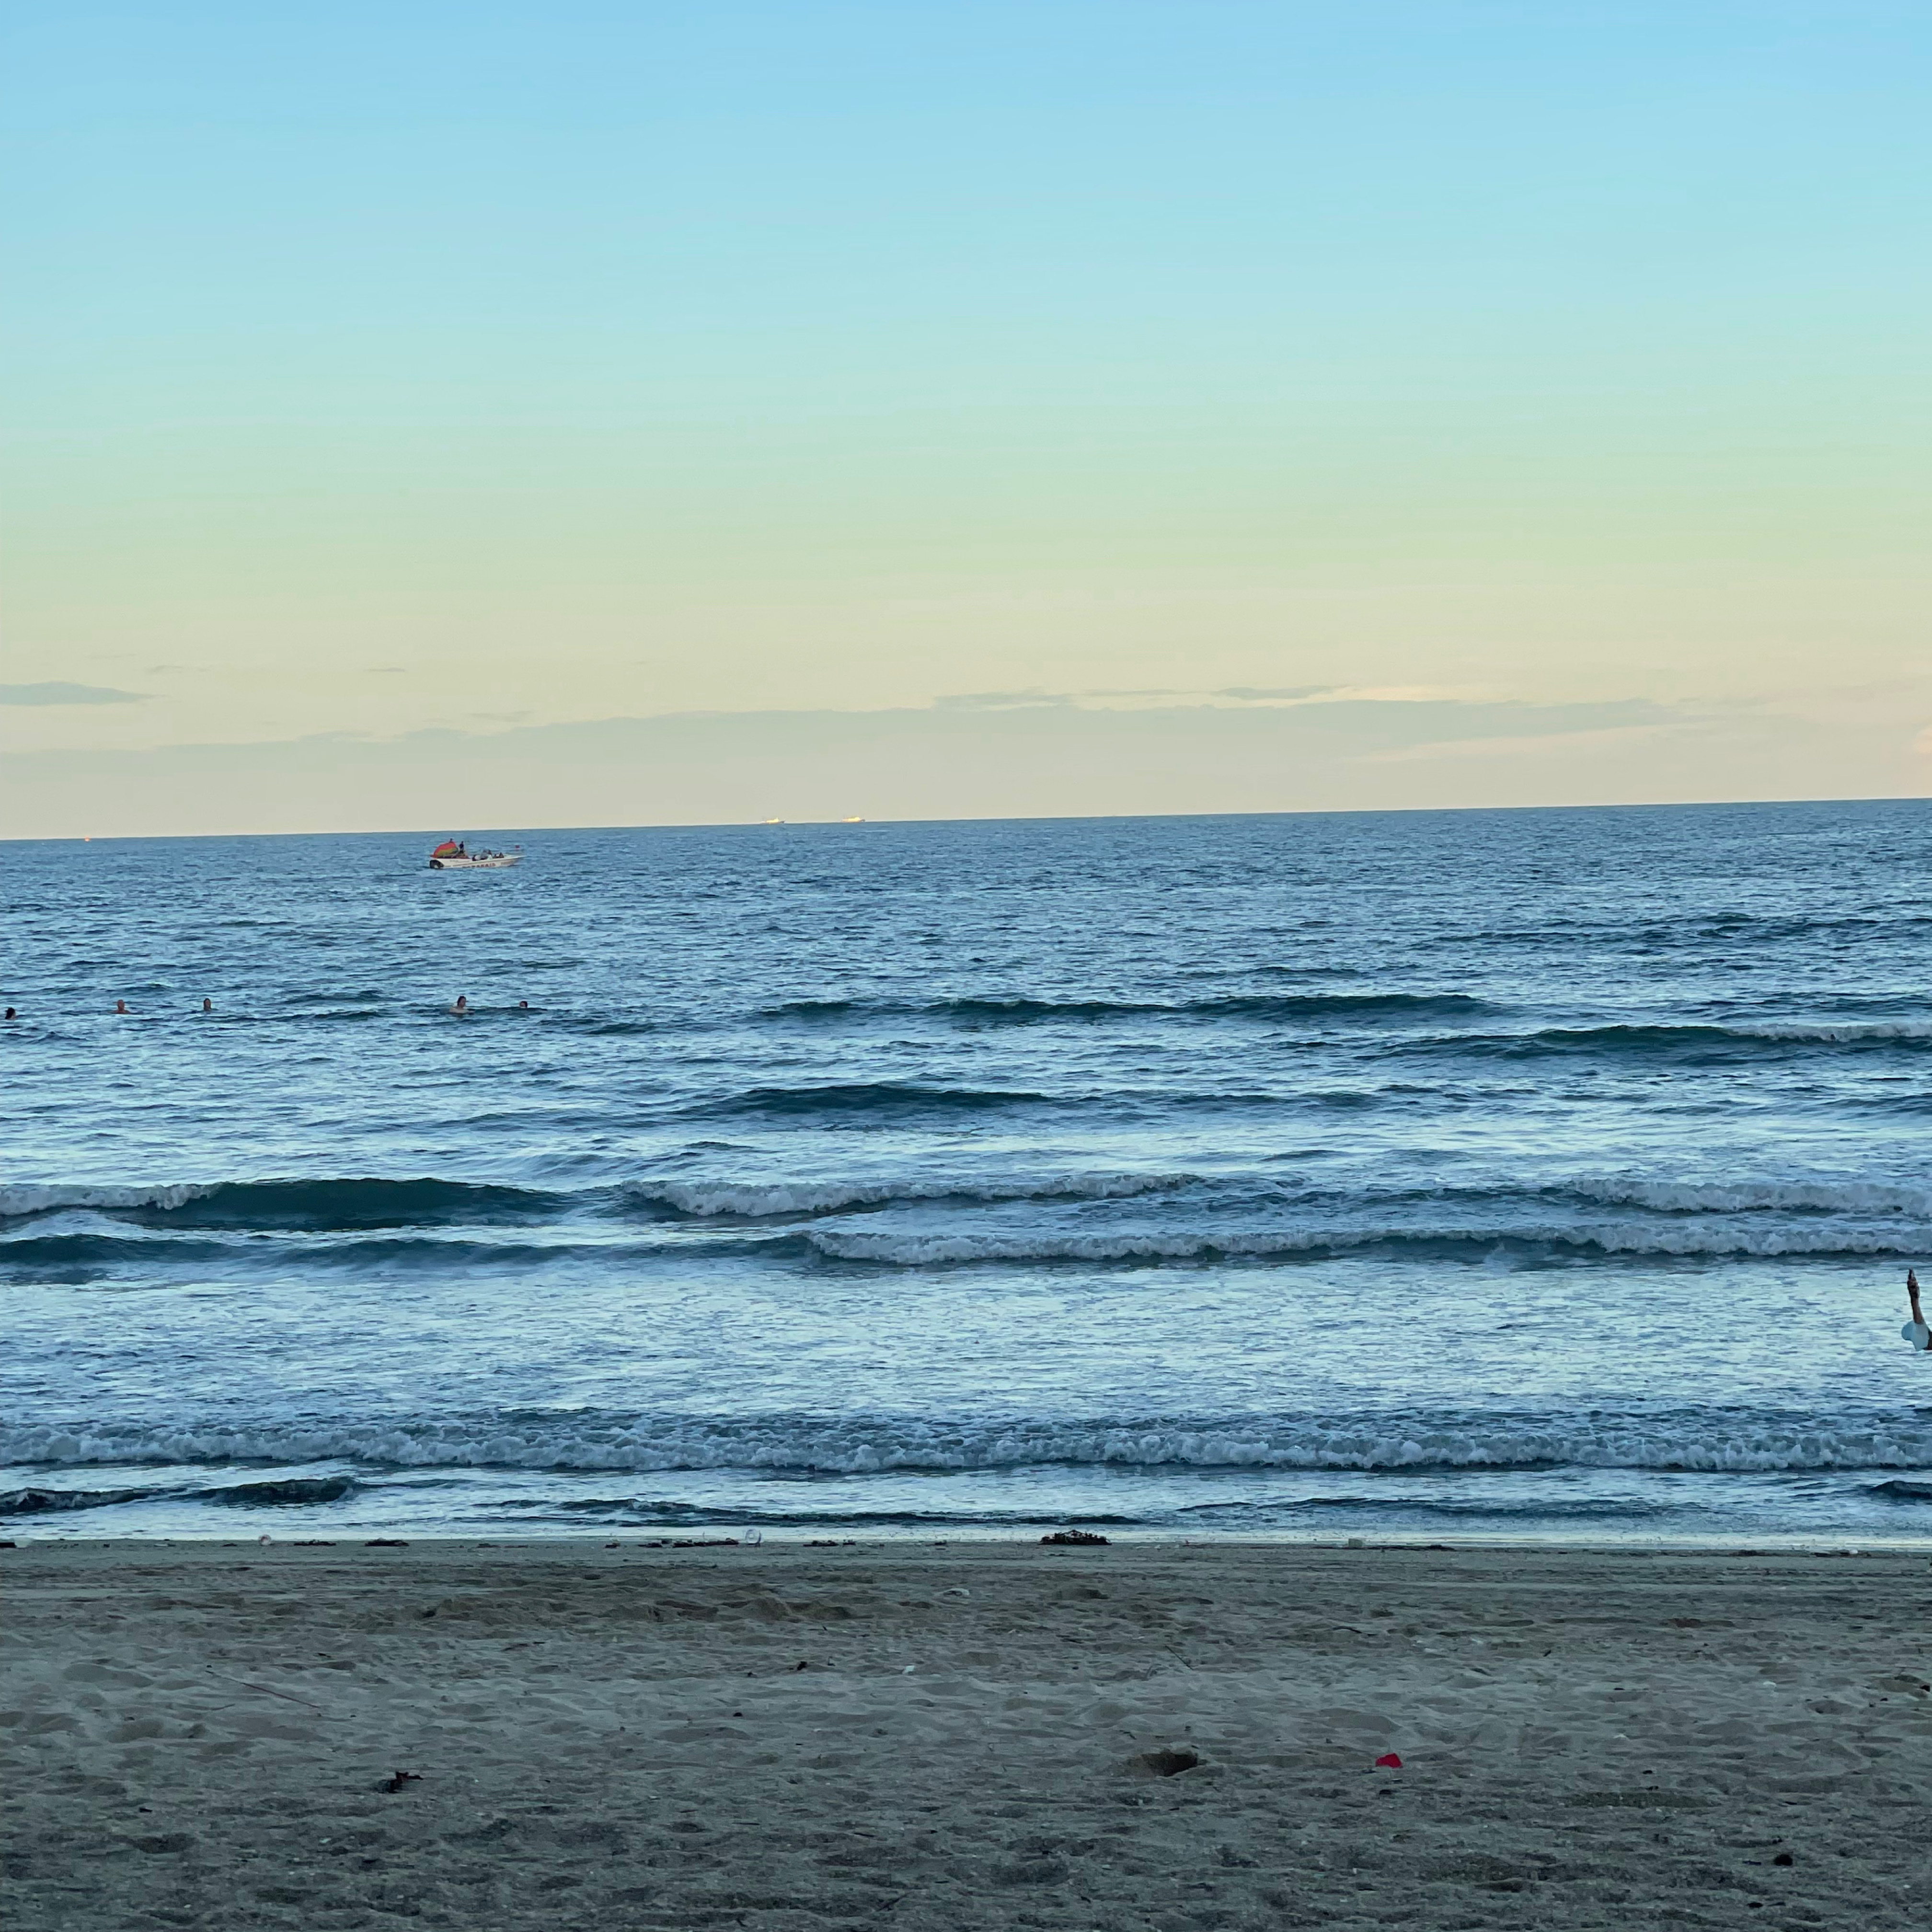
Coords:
378,368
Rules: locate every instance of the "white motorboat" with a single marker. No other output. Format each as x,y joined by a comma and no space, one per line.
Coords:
453,855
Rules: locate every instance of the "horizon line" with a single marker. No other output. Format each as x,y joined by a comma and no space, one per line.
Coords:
1033,818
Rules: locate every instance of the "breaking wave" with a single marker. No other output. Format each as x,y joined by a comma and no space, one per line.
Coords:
84,1257
1806,1196
764,1199
1685,1239
1715,1439
923,1219
16,1202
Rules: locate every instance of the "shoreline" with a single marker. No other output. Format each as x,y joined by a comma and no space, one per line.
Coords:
959,1733
883,1540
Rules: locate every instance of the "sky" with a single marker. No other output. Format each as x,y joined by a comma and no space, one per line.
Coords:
486,416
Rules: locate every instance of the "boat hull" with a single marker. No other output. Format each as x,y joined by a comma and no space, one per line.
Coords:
496,864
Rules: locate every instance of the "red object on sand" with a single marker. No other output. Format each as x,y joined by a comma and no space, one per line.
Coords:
1388,1761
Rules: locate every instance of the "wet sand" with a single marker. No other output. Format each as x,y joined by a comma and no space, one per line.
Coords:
787,1737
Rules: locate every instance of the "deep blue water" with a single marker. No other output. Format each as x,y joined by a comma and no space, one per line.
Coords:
1432,1173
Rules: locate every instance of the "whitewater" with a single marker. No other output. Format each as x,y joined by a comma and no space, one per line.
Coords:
1525,1174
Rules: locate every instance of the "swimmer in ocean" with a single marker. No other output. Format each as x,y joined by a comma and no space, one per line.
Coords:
461,1008
1915,1331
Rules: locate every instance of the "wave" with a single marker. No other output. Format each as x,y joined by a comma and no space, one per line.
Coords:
777,1196
1711,1440
358,1202
654,1512
289,1493
1914,1105
1757,929
78,1259
1899,1490
1630,1040
1448,1242
925,1219
1022,1010
19,1201
1300,973
1231,1005
756,1199
778,1199
1552,1509
651,1512
85,1257
50,1502
81,1259
1912,1028
875,1098
1837,1032
1796,1196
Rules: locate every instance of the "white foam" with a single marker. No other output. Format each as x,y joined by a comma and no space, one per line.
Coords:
1832,1031
1808,1195
27,1199
1686,1240
794,1197
1714,1442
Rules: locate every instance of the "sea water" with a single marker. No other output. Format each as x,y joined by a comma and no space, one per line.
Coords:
1426,1174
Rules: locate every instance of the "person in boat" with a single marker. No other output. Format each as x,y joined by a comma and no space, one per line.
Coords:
1915,1330
461,1008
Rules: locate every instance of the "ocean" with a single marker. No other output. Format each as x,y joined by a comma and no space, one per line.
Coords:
1434,1175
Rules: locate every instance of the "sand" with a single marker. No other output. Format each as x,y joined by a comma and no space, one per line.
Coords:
783,1737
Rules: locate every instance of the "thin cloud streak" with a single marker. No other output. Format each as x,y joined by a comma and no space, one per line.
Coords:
57,693
1034,761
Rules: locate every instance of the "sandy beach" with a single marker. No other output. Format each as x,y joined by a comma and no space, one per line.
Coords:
786,1736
